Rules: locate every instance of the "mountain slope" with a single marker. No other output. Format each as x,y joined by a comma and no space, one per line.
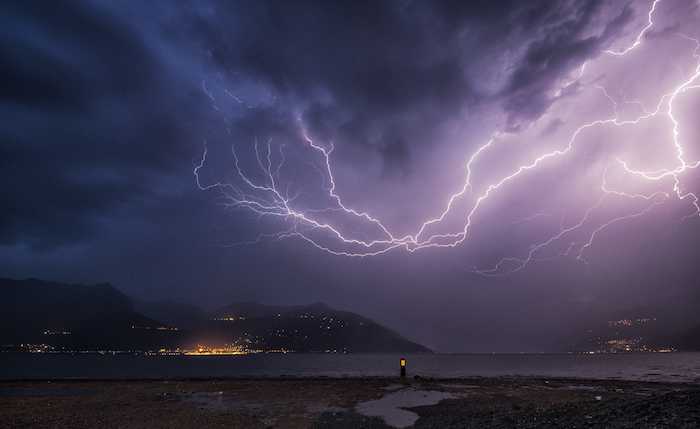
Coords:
311,328
100,317
75,317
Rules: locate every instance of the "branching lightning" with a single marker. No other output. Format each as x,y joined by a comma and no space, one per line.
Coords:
638,41
265,194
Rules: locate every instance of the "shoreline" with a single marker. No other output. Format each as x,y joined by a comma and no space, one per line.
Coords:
670,367
350,378
348,402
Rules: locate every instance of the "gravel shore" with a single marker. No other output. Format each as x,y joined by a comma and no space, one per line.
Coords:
349,403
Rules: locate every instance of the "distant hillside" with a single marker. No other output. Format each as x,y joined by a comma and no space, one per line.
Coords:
184,316
642,329
311,328
100,317
75,317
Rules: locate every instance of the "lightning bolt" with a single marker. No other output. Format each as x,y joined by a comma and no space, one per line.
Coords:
266,196
638,41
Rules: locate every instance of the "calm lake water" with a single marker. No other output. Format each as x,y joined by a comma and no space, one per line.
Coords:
680,367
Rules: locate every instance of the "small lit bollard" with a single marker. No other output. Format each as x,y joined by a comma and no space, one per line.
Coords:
402,365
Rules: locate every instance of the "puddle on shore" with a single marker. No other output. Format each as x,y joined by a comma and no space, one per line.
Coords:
390,407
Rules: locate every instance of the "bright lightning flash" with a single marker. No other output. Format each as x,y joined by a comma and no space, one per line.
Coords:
269,197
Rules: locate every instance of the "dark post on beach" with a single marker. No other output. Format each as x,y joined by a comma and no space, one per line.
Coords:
402,364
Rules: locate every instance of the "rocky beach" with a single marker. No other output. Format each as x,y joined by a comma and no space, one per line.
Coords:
349,403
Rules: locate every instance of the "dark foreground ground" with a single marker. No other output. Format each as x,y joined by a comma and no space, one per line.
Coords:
337,403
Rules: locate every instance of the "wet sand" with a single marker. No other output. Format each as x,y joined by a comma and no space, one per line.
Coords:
349,403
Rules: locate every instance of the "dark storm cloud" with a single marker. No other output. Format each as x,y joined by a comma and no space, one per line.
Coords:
66,55
91,120
380,72
102,102
373,54
562,47
357,70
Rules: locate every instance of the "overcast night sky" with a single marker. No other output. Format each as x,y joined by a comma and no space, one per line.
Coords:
479,175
